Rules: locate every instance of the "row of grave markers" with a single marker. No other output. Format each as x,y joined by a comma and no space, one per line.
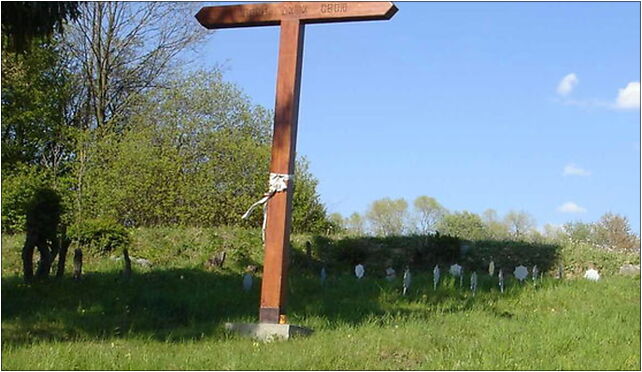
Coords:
520,273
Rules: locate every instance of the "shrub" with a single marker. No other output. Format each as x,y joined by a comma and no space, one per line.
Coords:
436,249
43,212
100,235
419,251
578,257
17,192
509,254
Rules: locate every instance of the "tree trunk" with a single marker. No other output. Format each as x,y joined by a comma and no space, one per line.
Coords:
27,257
64,244
44,265
127,271
77,263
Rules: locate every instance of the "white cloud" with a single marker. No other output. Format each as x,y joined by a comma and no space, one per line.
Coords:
629,96
570,207
568,82
573,170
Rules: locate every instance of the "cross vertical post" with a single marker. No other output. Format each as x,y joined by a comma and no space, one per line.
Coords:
279,209
292,18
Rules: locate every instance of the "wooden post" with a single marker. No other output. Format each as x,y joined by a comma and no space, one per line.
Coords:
279,212
292,17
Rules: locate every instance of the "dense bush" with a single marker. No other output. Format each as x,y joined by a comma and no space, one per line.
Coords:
424,251
17,191
578,257
100,235
377,253
509,254
464,225
195,154
43,212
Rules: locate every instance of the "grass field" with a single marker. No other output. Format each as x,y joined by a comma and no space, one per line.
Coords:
171,318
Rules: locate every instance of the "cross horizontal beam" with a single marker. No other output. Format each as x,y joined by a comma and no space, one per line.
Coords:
272,14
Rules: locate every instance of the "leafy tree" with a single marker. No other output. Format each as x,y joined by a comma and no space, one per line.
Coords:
495,229
519,223
117,51
196,154
18,190
337,222
464,225
553,233
387,217
355,224
37,143
613,232
308,213
35,90
429,212
579,232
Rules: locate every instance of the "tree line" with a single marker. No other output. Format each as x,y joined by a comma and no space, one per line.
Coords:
394,217
105,113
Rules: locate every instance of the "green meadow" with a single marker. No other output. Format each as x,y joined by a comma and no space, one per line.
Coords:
171,316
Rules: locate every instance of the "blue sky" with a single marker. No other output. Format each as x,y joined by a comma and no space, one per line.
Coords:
510,106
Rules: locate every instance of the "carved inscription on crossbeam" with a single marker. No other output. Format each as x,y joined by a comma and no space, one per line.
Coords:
272,14
296,9
267,11
334,8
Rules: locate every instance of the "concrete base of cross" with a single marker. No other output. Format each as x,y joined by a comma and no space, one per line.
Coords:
268,331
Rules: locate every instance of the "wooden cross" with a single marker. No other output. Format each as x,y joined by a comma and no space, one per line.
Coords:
292,17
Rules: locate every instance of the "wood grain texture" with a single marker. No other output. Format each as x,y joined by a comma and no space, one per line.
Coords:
277,233
271,14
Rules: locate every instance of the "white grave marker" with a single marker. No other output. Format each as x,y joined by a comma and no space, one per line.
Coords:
535,272
359,271
455,270
491,268
521,272
473,282
390,274
592,274
435,277
500,275
407,279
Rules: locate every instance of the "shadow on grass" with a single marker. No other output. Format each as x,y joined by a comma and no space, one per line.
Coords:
189,304
179,304
166,304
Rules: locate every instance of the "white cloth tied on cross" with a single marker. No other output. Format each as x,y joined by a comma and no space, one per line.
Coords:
278,183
